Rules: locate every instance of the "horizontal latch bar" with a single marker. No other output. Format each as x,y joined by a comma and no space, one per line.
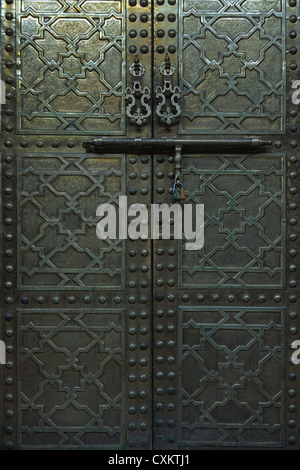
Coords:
165,144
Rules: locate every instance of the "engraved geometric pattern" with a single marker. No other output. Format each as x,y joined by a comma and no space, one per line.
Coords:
59,248
71,66
232,66
244,235
71,390
233,377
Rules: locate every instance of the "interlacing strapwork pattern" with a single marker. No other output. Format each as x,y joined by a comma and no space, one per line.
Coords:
59,196
244,238
71,388
232,74
232,376
71,72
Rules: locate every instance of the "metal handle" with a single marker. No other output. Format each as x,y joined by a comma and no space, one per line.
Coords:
138,110
168,108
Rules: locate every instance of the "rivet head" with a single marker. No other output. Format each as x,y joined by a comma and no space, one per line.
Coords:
215,297
131,362
24,299
293,18
9,430
292,440
131,442
132,17
144,18
143,409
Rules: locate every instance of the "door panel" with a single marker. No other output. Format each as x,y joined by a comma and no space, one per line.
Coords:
140,344
71,60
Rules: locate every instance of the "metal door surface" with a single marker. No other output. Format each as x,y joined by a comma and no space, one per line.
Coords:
143,344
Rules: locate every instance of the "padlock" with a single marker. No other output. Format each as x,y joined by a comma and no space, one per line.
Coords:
178,191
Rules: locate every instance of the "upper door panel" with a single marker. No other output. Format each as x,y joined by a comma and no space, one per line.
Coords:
72,59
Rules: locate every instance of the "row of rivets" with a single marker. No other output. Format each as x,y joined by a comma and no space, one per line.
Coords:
292,220
165,339
138,319
9,217
139,17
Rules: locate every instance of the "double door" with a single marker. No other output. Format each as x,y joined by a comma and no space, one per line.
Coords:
143,344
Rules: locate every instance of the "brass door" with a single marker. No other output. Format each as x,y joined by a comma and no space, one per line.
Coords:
141,344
